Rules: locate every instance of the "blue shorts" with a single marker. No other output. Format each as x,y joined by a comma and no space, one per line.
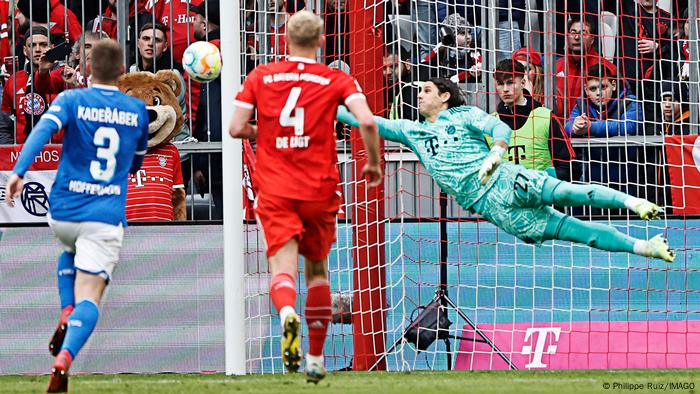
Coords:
514,203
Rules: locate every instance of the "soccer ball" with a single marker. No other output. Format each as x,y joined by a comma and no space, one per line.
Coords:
202,61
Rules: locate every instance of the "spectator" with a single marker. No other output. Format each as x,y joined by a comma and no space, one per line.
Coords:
336,22
645,38
402,91
20,99
511,20
278,12
208,168
674,107
342,131
154,53
649,53
5,36
455,57
181,24
36,11
579,10
140,13
534,73
424,14
52,79
251,43
6,125
153,56
607,110
107,22
538,141
581,55
683,48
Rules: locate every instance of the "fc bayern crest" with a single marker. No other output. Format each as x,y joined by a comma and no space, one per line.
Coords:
34,104
162,161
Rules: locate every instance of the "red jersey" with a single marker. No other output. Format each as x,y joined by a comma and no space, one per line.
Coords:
179,19
58,16
150,193
5,47
142,7
297,101
15,105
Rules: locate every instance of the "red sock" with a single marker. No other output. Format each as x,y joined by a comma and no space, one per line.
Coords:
65,313
283,291
318,315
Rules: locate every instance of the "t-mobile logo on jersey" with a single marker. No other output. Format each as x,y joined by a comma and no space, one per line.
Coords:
178,19
539,340
141,177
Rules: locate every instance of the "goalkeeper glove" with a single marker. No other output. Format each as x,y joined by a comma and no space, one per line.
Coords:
493,160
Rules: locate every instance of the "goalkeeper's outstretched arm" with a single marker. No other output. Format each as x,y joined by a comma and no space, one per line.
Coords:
388,129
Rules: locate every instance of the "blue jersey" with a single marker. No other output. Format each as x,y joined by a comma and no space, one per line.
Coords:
106,136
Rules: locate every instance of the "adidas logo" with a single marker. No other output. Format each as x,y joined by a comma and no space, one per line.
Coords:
20,91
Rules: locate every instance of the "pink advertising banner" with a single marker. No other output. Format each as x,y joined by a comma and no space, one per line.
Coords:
584,345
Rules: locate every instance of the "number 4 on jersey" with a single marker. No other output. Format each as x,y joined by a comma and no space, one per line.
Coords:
296,121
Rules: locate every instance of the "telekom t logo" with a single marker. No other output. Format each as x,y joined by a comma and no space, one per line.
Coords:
539,340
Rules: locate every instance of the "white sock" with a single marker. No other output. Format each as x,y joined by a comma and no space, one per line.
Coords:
640,247
632,202
314,359
286,311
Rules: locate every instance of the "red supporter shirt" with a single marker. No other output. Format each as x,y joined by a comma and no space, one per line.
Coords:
297,101
150,193
179,21
58,16
16,106
5,46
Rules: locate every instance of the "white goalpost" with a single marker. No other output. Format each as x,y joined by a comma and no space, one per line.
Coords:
234,267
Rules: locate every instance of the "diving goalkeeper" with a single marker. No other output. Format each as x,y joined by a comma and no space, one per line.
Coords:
451,146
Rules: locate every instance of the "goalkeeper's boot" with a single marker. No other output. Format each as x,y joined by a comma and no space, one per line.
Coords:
658,247
314,370
58,382
291,342
60,334
648,210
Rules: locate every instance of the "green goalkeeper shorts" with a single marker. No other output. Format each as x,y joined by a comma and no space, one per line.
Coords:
515,205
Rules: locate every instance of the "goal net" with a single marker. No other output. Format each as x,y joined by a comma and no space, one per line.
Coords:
420,283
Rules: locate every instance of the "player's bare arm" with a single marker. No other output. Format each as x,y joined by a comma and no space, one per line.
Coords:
14,187
370,136
240,126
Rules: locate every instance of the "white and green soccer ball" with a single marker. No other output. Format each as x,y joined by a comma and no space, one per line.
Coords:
202,61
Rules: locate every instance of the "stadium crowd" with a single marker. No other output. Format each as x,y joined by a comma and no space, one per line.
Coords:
620,68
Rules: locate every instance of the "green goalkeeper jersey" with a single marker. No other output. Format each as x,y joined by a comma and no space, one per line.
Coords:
452,148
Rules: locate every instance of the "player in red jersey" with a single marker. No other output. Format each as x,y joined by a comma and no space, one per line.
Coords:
296,176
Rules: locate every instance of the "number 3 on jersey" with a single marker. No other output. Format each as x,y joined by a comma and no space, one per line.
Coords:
107,140
296,121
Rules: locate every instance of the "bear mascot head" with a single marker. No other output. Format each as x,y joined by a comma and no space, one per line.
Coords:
157,192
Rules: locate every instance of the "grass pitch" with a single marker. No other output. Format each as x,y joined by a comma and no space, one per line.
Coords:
518,382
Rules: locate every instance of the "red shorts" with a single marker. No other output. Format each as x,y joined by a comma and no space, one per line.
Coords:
313,223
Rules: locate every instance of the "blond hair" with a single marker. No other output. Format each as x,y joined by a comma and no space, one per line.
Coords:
304,29
106,59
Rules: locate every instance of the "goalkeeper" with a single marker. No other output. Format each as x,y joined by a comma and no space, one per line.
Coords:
451,146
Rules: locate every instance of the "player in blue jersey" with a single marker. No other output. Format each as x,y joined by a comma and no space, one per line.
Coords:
106,136
450,144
